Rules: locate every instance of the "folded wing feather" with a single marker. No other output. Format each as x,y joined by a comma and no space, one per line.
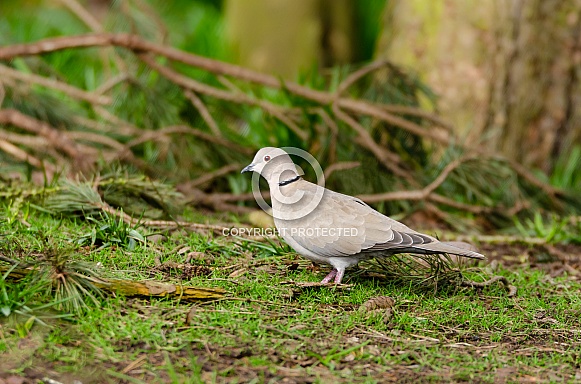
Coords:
342,225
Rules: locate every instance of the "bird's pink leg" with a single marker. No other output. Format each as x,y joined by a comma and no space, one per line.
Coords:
329,277
339,276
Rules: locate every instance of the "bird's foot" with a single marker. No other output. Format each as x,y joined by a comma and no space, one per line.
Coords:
330,276
337,274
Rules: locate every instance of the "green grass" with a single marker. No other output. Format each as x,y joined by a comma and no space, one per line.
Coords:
265,331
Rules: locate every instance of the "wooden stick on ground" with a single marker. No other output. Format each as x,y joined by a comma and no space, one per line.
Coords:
138,288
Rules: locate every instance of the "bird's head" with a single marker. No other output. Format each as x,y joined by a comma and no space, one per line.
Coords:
274,164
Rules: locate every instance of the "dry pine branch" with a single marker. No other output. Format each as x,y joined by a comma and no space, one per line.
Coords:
344,108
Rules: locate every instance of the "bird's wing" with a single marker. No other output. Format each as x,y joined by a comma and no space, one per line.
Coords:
342,225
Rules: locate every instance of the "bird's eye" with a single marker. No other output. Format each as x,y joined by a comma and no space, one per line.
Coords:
266,158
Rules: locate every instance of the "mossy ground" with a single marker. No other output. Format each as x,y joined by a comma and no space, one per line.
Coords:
265,331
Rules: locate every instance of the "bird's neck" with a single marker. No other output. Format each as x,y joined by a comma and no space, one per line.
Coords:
289,181
283,175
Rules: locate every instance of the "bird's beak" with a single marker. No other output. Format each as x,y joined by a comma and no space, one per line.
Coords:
248,168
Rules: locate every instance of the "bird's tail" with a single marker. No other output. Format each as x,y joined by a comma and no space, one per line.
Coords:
453,247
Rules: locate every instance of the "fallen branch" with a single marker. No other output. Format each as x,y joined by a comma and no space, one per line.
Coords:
345,109
138,45
420,194
145,289
158,289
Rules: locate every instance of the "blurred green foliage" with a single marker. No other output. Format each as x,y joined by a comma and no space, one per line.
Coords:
144,102
368,19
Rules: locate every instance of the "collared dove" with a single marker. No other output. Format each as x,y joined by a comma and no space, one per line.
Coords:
331,228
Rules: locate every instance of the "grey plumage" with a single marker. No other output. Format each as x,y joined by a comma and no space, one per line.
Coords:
332,228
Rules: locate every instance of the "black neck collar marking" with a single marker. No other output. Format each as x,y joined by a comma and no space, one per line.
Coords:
287,182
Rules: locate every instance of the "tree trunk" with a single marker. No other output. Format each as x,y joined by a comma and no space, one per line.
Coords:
507,71
535,104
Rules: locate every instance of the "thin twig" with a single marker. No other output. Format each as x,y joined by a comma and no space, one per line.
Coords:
102,127
153,14
30,141
2,93
117,122
194,85
67,89
21,155
218,229
228,84
183,129
414,111
203,110
420,194
512,290
427,193
209,177
334,128
341,166
95,138
389,159
445,173
276,112
241,98
551,191
85,16
9,260
364,108
476,209
355,76
57,139
111,83
94,25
